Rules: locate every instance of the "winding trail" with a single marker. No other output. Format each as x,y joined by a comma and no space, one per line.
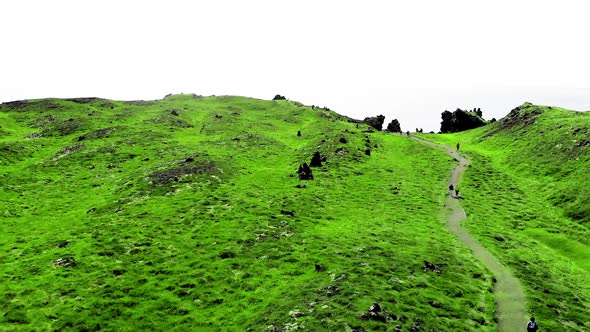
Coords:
510,301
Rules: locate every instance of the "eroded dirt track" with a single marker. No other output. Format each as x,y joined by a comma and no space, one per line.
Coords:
508,293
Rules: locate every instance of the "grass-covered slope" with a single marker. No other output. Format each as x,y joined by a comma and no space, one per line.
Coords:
527,196
186,213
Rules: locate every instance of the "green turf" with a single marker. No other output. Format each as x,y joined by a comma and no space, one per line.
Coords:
527,197
164,242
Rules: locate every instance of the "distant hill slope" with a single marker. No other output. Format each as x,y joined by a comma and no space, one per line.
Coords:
187,213
550,144
527,197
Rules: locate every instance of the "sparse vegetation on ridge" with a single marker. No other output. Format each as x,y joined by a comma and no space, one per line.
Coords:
187,213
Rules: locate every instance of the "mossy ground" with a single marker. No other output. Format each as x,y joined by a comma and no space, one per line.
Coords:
527,199
184,214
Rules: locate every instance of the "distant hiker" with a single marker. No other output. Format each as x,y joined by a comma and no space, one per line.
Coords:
457,191
532,326
408,133
451,187
458,146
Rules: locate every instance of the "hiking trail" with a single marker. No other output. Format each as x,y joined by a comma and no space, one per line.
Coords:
511,308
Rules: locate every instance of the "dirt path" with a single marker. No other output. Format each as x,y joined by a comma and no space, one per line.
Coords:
509,295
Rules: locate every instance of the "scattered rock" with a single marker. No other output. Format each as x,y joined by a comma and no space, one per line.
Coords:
218,116
300,186
118,272
91,210
428,266
227,254
174,175
279,97
368,152
63,244
100,133
341,151
375,307
435,304
174,112
273,328
319,268
65,262
299,133
331,290
189,160
374,313
296,314
70,149
343,140
288,213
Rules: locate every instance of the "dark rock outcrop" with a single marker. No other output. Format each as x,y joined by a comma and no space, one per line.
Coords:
375,121
394,126
460,120
305,172
316,160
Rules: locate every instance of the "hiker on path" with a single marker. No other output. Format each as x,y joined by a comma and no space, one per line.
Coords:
532,326
457,191
451,188
458,146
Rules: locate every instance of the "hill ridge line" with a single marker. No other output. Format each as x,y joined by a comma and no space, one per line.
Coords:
509,296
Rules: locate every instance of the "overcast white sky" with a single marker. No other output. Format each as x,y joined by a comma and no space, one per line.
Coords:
408,60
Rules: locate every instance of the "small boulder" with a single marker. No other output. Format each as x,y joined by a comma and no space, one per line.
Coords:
428,266
316,160
287,213
305,172
374,313
65,262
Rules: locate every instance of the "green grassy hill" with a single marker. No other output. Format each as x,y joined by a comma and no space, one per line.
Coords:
187,214
527,197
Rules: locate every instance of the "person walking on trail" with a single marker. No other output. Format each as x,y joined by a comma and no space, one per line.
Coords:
457,191
451,188
458,146
532,326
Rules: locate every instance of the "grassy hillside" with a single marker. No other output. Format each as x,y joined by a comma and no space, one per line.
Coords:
527,196
187,214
